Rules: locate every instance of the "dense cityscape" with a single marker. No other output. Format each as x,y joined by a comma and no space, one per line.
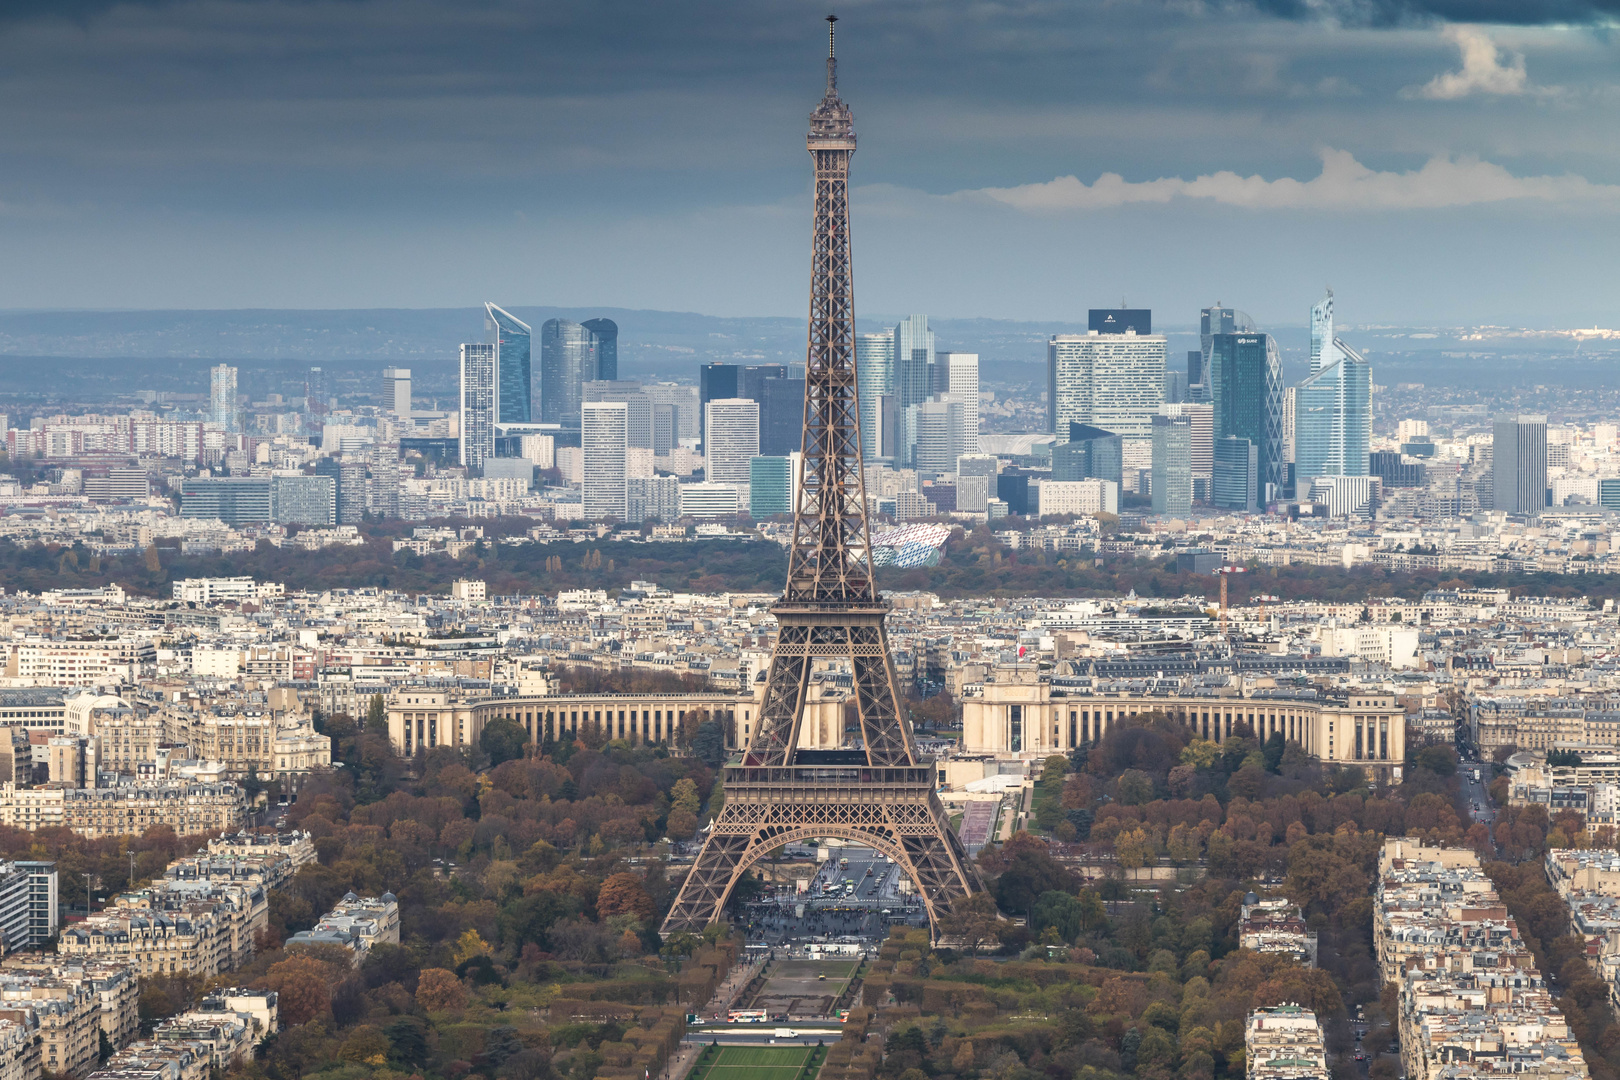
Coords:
1205,713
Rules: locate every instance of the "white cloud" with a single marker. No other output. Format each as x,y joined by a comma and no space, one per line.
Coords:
1483,69
1344,184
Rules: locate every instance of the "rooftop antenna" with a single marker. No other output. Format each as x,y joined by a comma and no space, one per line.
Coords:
832,64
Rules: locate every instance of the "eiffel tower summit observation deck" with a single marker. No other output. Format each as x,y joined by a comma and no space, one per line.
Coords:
875,791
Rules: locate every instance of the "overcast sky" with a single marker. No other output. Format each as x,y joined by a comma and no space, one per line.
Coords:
1436,163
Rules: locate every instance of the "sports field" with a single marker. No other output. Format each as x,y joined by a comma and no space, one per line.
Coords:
756,1063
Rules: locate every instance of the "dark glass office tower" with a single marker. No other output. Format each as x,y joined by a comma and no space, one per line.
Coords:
715,382
1234,483
511,338
781,417
606,333
567,362
1519,464
1245,383
1090,454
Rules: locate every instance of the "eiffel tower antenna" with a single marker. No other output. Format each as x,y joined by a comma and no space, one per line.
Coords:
878,793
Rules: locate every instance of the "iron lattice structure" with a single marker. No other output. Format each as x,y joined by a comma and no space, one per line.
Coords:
830,614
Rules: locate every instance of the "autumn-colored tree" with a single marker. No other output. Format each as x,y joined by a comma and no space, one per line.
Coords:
972,922
303,986
469,945
366,1045
438,990
684,796
681,825
622,894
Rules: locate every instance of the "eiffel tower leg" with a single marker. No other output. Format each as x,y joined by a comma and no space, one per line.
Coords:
703,896
911,829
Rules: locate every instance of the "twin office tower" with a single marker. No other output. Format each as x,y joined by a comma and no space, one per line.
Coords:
497,377
1228,431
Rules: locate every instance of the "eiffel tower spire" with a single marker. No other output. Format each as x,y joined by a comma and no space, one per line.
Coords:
875,791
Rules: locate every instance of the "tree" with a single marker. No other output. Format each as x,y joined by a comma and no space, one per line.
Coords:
303,986
1274,750
622,894
438,990
709,744
972,922
365,1045
377,715
154,565
1029,870
469,945
1135,787
503,740
407,1043
684,796
1061,912
681,824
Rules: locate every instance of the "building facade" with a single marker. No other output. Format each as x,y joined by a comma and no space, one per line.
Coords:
1246,393
1519,464
477,405
1172,489
1017,713
604,434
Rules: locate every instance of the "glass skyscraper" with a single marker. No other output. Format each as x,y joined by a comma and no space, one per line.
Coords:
511,339
771,486
567,362
1212,321
913,376
1235,483
606,335
1246,393
874,372
1323,352
1333,415
1090,454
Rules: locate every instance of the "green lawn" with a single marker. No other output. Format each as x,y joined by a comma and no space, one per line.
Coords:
753,1063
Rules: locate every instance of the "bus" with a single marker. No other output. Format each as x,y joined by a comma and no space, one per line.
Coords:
747,1016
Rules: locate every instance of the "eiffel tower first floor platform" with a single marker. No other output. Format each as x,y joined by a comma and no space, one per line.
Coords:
829,793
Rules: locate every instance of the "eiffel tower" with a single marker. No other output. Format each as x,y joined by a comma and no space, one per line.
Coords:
881,794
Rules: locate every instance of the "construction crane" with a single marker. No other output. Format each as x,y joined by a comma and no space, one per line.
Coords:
1223,573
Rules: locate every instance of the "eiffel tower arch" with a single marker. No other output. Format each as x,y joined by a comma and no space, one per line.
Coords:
881,793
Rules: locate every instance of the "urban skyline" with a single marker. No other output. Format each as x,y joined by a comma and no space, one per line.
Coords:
902,701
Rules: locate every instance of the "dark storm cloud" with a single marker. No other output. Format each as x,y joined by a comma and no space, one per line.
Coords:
1389,13
651,154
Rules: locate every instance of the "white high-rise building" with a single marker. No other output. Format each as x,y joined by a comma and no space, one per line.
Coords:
1412,430
222,396
477,405
397,391
684,401
962,382
732,425
604,439
1110,381
874,372
935,426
